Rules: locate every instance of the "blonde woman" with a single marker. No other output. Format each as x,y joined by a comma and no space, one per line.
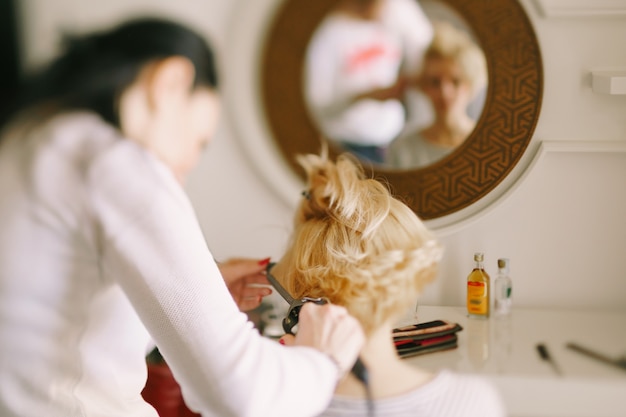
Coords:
359,247
454,72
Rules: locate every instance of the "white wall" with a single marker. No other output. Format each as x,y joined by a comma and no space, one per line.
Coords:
560,218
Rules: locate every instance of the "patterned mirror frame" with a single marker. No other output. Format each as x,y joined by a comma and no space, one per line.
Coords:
502,133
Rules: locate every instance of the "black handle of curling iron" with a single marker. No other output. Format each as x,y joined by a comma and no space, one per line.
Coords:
358,369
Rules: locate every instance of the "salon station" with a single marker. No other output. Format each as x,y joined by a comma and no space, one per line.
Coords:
538,179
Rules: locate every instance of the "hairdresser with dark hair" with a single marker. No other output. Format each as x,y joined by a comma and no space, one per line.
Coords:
101,254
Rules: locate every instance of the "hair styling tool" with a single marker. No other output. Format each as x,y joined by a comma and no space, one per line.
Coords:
620,362
545,355
291,320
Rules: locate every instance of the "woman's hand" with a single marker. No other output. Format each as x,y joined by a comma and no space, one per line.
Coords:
331,330
246,280
392,92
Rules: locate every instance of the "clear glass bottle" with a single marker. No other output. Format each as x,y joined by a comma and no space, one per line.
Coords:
478,283
503,289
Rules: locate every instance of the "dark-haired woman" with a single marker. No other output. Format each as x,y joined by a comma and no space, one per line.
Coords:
101,254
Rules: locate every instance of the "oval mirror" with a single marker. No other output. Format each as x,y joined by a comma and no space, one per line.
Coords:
509,107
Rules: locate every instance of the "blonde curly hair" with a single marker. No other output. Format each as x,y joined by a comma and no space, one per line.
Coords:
356,245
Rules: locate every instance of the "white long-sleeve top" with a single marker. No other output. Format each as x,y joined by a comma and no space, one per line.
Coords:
448,394
100,253
348,57
413,26
412,151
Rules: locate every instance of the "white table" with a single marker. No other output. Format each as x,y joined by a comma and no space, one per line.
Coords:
504,350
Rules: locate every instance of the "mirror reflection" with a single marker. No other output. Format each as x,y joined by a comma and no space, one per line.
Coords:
399,83
503,130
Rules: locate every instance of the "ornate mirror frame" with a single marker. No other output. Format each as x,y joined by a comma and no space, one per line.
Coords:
502,133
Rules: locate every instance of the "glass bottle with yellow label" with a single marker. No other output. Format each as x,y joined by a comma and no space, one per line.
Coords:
478,291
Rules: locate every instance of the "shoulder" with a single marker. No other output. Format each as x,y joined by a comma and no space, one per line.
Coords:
125,178
407,150
96,149
125,171
97,157
74,138
333,32
413,136
56,152
469,395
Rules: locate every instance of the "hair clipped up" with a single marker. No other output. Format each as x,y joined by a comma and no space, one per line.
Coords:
334,190
357,245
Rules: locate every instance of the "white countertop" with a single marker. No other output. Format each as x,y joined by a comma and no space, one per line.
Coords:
504,350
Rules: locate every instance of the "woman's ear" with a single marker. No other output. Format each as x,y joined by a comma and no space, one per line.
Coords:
170,79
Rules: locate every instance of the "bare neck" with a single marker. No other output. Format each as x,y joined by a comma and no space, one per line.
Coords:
449,132
388,374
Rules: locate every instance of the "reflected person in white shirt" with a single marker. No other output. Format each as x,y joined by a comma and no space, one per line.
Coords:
354,72
454,72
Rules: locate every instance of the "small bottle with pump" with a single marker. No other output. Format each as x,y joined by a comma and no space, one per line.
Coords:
503,289
478,289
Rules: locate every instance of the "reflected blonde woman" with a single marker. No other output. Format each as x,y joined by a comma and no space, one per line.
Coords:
358,246
454,72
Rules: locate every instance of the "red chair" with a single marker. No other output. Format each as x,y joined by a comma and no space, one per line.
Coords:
162,391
